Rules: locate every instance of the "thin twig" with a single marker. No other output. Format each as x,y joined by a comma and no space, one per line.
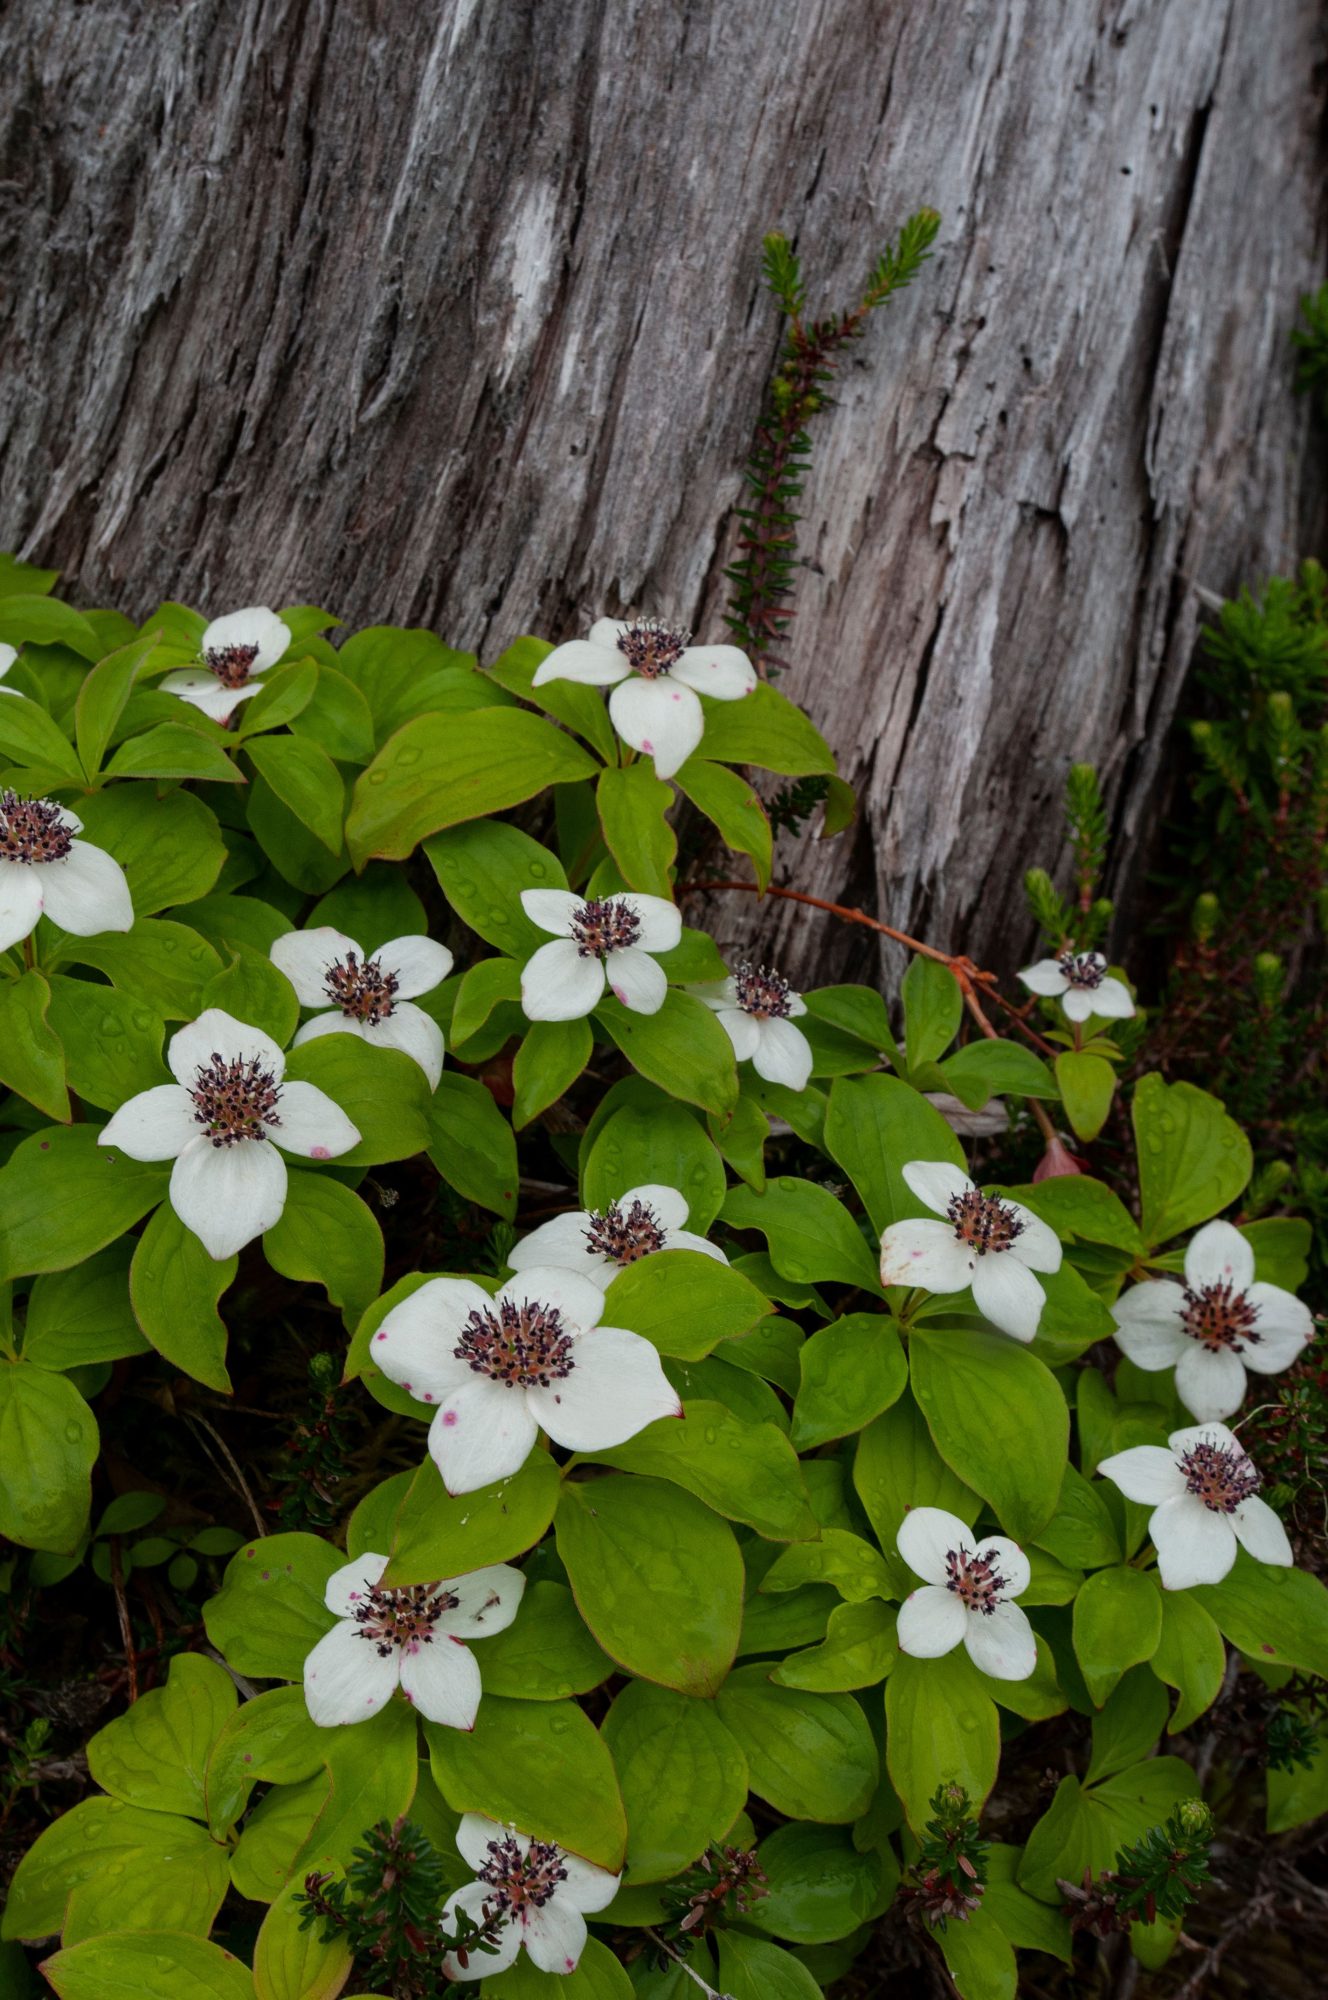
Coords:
122,1613
710,1992
235,1478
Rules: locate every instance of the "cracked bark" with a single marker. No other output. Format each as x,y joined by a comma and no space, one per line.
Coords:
451,315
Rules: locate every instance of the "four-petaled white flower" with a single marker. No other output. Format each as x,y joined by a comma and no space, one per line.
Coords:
985,1242
969,1581
542,1893
8,655
221,1121
656,677
1214,1326
44,869
1082,984
410,1637
235,652
499,1368
365,995
598,1243
757,1009
1203,1491
604,941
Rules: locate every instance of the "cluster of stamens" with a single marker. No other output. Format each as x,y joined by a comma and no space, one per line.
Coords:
1219,1316
361,988
983,1223
392,1619
605,924
652,647
974,1579
234,1100
1220,1475
230,664
522,1346
32,830
762,993
622,1235
522,1881
1084,969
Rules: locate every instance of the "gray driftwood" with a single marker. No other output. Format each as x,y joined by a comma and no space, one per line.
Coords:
447,312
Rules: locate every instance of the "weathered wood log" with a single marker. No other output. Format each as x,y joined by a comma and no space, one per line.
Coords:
451,314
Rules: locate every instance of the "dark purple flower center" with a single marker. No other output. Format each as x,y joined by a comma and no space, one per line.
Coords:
230,664
1219,1316
651,647
974,1579
522,1881
624,1235
234,1100
1084,969
762,993
982,1223
392,1619
605,924
361,988
522,1346
32,830
1220,1475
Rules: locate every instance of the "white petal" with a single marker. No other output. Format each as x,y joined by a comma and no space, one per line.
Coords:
1145,1472
742,1031
716,993
577,1300
476,1834
228,1194
1149,1328
660,921
783,1054
205,691
931,1622
311,1124
1284,1326
683,1239
587,1888
552,909
86,893
555,1935
936,1183
723,672
666,1204
607,632
663,720
1045,977
1258,1529
442,1680
482,1432
1112,1001
348,1586
216,1032
1194,1545
20,902
1009,1295
470,1902
635,979
306,958
1009,1559
1211,1385
582,660
1036,1245
254,626
1001,1643
1078,1003
415,1343
487,1601
346,1678
8,655
334,1022
418,964
558,984
562,1241
1185,1440
925,1253
415,1034
617,1386
927,1535
156,1125
1219,1255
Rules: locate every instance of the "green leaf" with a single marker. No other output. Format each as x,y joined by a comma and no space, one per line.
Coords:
227,921
1297,1796
472,1145
1281,1246
326,1235
754,1970
682,1048
632,804
659,1142
997,1417
102,697
406,672
810,1756
598,1974
338,717
734,807
32,1057
270,1739
812,1236
897,1467
859,1649
173,750
291,1963
306,780
551,1057
1086,1829
269,1613
1072,1318
875,1125
374,1769
656,1576
149,1965
104,1864
1087,1085
819,1887
297,855
443,1534
1117,1625
83,1315
62,1196
683,1301
483,987
1190,1657
384,1094
440,769
765,729
170,847
112,1042
855,1569
251,989
1276,1616
859,1012
1082,1531
29,736
375,908
1074,1205
541,1765
20,579
160,964
547,1654
157,1754
933,1009
941,1728
482,869
979,1957
580,707
281,697
746,1472
985,1069
1130,1724
850,1372
175,1285
29,620
683,1778
48,1447
1193,1159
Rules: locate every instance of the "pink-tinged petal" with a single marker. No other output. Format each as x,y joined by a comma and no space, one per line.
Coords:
659,921
418,964
558,984
476,1834
470,1902
1045,978
1285,1326
20,902
1008,1294
667,1204
413,1033
228,1195
1194,1545
634,978
1078,1003
1145,1473
1210,1385
783,1054
662,719
86,893
555,1935
683,1239
616,1387
254,626
1009,1560
1113,1001
936,1183
306,958
216,1032
204,691
1258,1529
416,1343
346,1678
931,1623
348,1587
311,1124
483,1432
723,672
486,1601
156,1125
742,1031
331,1023
552,909
442,1680
562,1241
1001,1643
925,1253
584,661
927,1535
1219,1255
587,1888
1149,1327
1036,1245
579,1301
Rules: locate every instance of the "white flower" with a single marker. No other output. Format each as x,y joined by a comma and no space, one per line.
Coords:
655,676
985,1242
606,941
369,997
1202,1490
410,1638
8,655
1214,1326
756,1010
1080,981
598,1243
542,1892
235,651
968,1584
499,1368
221,1121
45,870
